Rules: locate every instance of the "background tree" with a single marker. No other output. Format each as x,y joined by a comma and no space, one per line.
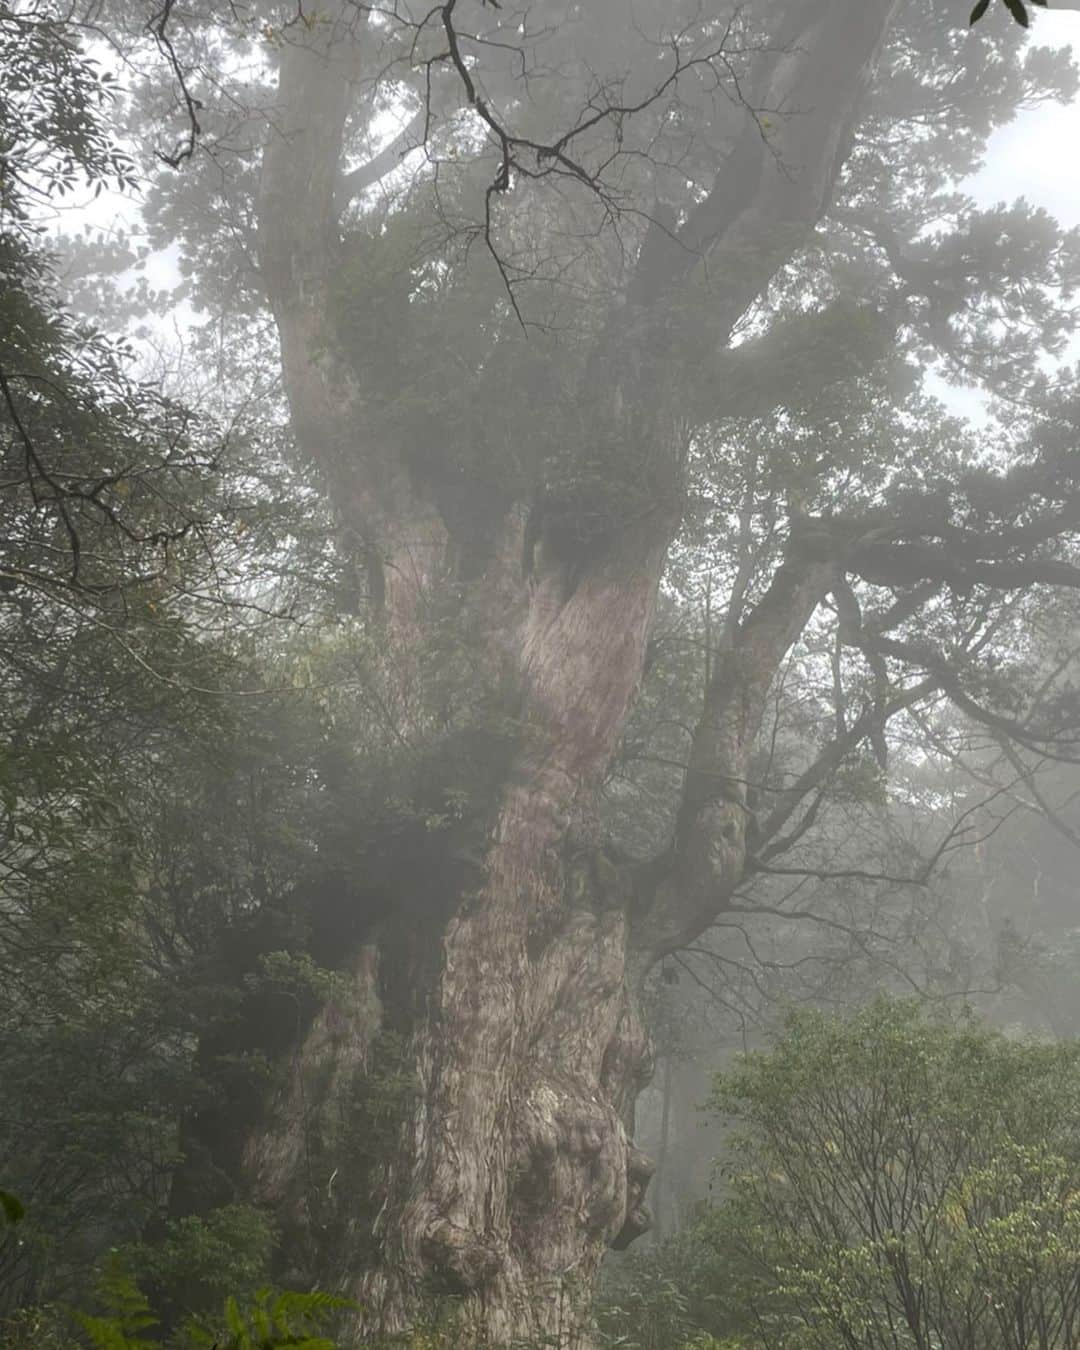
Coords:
140,566
891,1180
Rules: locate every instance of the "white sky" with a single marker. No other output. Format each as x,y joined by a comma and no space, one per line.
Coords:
1038,155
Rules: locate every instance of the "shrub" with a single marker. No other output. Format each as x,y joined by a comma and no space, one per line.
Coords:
892,1181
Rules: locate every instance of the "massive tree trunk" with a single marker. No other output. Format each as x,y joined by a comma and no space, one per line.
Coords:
512,994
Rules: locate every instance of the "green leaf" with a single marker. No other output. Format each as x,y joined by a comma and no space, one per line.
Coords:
1018,11
979,10
233,1319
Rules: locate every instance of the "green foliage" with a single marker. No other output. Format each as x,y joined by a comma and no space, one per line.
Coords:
52,123
102,472
648,1308
892,1180
125,1312
41,1327
11,1208
123,520
267,1320
200,1259
272,1319
101,483
444,367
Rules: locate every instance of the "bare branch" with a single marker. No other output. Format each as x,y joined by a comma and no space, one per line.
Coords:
158,27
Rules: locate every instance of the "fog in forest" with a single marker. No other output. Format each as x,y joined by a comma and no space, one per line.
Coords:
539,674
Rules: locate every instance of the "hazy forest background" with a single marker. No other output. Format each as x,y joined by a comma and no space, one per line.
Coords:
539,718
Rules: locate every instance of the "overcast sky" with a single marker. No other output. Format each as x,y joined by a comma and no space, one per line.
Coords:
1038,155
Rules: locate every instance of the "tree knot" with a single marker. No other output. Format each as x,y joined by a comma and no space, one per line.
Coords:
467,1260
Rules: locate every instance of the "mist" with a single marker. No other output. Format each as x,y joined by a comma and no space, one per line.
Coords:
539,792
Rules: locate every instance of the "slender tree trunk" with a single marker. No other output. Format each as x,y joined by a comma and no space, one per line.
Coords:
659,1214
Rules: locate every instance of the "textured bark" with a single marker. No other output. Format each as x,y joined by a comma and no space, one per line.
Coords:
338,1044
708,856
515,1167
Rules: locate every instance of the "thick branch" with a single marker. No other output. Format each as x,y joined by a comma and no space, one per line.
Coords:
802,99
800,357
366,175
914,541
948,678
903,564
817,774
708,856
401,534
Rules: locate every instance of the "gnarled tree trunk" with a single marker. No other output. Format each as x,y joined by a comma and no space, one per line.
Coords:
514,997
